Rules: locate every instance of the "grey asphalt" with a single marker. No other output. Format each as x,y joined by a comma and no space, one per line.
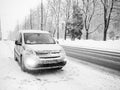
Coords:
106,59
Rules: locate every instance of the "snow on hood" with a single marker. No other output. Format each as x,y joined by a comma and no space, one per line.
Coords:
44,47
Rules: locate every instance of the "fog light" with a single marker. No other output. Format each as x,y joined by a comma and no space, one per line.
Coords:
30,62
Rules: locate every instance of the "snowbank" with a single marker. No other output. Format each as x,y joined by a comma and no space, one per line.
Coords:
100,45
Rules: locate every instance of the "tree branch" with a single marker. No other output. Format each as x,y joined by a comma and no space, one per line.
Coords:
96,28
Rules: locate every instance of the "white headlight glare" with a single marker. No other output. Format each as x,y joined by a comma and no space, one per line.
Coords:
30,62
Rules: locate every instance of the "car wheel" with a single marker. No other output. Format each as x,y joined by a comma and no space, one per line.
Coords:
22,65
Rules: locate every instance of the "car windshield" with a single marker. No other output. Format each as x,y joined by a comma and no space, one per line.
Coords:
38,38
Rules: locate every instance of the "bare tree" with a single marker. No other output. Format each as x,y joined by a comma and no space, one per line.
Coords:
53,12
55,9
31,23
108,7
67,9
58,17
115,20
38,17
46,14
88,11
41,14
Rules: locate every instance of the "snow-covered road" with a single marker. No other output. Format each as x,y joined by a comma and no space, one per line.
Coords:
74,76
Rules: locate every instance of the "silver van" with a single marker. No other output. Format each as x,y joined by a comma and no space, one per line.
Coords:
35,50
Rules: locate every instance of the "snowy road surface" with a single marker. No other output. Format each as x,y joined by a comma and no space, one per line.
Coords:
74,76
107,59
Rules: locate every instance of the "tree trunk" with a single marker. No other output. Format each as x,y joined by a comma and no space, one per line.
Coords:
107,15
65,31
31,27
105,34
58,33
58,17
58,28
42,15
87,34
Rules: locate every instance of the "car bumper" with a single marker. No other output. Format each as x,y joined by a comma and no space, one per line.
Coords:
47,65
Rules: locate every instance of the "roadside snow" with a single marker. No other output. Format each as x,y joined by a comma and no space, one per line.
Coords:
74,76
100,45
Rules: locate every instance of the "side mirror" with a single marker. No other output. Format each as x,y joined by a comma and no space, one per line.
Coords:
17,43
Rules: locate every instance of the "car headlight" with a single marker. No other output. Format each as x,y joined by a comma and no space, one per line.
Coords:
29,52
32,62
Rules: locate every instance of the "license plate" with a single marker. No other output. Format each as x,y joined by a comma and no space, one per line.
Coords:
50,61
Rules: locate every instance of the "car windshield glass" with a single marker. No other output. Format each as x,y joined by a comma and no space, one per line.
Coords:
38,38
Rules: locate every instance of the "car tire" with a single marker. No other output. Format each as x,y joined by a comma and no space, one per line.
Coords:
22,65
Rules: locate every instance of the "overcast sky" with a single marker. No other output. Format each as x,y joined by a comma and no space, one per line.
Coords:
13,11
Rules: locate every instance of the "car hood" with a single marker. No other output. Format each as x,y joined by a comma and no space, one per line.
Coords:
44,47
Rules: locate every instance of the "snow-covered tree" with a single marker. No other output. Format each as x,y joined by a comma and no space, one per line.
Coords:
76,22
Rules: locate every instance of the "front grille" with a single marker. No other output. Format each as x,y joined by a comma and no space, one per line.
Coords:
55,52
46,52
49,57
41,53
